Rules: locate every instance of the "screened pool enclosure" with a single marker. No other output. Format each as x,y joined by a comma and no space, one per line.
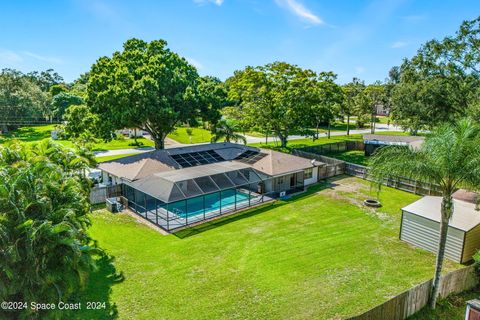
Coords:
175,199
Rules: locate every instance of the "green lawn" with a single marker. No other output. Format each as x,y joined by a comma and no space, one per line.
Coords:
38,133
353,156
300,143
320,255
452,308
199,135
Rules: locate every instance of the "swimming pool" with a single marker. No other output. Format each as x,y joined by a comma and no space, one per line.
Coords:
211,202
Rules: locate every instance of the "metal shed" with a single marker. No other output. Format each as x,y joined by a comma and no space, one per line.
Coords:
421,223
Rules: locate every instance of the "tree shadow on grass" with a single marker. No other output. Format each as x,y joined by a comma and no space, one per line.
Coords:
27,134
253,211
98,289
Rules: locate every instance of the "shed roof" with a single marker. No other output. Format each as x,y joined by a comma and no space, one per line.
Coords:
464,217
392,139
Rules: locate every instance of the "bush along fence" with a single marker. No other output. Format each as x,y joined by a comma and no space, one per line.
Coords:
335,167
411,301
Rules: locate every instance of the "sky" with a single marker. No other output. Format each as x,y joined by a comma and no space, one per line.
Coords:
352,38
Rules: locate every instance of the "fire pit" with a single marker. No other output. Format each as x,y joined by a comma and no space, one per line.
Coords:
372,203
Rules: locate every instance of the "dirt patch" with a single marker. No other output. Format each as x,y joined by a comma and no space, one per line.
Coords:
354,191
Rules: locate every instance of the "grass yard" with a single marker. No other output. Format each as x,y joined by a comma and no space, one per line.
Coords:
199,135
300,143
320,255
38,133
352,156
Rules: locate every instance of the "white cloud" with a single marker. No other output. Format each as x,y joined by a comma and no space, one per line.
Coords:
399,44
195,63
360,69
42,58
202,2
10,56
300,10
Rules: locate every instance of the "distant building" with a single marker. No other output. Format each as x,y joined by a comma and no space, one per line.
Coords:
374,141
382,110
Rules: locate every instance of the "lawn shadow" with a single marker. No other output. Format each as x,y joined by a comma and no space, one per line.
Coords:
311,191
27,134
98,289
226,220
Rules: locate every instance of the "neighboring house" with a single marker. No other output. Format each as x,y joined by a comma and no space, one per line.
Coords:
177,187
374,141
382,110
421,222
131,133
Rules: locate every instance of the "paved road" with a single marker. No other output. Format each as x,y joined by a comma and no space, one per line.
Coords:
173,144
379,127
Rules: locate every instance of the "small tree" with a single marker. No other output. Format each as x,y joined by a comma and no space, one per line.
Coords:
80,124
227,132
449,158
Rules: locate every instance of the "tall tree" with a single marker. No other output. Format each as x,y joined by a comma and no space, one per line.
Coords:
325,100
21,99
145,86
80,124
377,97
348,107
212,97
273,96
62,101
450,158
45,79
46,253
446,73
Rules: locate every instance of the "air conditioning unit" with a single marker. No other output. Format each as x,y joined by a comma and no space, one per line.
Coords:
473,310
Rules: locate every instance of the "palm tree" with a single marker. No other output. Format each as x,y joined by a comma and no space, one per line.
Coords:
227,132
46,253
449,158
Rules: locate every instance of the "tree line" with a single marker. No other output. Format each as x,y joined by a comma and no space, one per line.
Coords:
150,87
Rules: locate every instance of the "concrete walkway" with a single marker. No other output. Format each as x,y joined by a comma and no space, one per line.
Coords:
169,143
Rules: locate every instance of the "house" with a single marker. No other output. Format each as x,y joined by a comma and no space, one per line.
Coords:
374,141
421,223
180,186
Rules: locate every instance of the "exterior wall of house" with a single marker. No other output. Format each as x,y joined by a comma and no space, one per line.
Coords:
472,243
424,233
313,179
106,178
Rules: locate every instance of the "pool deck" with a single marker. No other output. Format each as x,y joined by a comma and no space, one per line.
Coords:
197,220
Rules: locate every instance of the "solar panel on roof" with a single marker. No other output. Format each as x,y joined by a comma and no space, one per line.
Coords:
250,156
193,159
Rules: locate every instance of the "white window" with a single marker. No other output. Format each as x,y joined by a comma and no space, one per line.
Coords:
308,173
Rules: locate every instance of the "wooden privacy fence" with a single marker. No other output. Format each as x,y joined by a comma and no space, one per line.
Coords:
333,167
340,146
411,301
400,183
336,167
